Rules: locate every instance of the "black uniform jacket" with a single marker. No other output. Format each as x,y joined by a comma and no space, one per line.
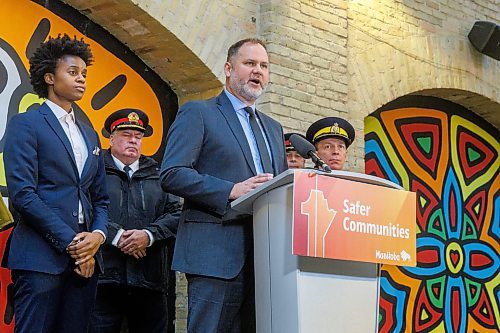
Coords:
139,203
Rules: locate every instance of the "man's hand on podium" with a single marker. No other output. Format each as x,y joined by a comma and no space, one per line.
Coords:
240,189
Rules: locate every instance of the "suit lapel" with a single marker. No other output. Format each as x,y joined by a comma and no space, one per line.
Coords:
59,131
228,112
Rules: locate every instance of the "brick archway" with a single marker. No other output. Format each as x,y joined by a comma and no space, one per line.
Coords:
189,58
443,67
384,72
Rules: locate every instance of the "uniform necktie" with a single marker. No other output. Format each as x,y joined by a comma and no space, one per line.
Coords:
76,143
261,142
127,170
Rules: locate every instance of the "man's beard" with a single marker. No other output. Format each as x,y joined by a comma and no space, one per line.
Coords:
241,88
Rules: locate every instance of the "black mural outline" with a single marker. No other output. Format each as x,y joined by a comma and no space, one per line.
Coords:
38,37
108,92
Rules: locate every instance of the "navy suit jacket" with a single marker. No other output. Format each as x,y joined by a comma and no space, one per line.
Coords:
44,188
206,154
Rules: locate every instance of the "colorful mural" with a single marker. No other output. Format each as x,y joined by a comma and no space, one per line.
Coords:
450,158
118,79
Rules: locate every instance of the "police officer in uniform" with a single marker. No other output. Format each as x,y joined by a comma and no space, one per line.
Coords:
143,218
294,160
331,136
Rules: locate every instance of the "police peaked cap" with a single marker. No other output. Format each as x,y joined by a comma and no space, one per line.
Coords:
331,127
127,119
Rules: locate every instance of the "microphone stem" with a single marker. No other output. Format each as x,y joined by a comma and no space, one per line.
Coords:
320,163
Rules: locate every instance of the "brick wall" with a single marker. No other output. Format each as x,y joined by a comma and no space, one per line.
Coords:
308,54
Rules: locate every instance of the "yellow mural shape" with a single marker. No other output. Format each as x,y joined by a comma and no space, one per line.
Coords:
487,174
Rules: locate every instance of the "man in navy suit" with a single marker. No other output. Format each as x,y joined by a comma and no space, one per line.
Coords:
56,183
218,150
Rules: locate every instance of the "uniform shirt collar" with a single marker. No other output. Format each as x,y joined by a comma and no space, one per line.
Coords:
120,165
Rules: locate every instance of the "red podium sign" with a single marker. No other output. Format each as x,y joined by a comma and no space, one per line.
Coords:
343,219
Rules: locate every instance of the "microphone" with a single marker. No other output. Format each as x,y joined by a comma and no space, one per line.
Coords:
307,150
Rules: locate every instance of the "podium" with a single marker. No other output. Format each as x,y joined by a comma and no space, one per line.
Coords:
302,294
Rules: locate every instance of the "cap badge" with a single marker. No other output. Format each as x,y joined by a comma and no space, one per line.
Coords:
335,129
133,117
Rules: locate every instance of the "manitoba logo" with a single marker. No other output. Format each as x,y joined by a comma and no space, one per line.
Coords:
391,255
405,255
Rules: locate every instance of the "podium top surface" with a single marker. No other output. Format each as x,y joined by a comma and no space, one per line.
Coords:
244,204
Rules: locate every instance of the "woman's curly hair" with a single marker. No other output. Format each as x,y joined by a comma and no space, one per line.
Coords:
44,59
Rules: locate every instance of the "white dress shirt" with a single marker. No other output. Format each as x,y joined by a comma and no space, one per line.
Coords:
243,117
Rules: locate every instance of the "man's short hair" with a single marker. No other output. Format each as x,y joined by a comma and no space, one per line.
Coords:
233,49
44,59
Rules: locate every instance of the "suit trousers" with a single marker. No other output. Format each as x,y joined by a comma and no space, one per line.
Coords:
52,303
219,305
144,309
